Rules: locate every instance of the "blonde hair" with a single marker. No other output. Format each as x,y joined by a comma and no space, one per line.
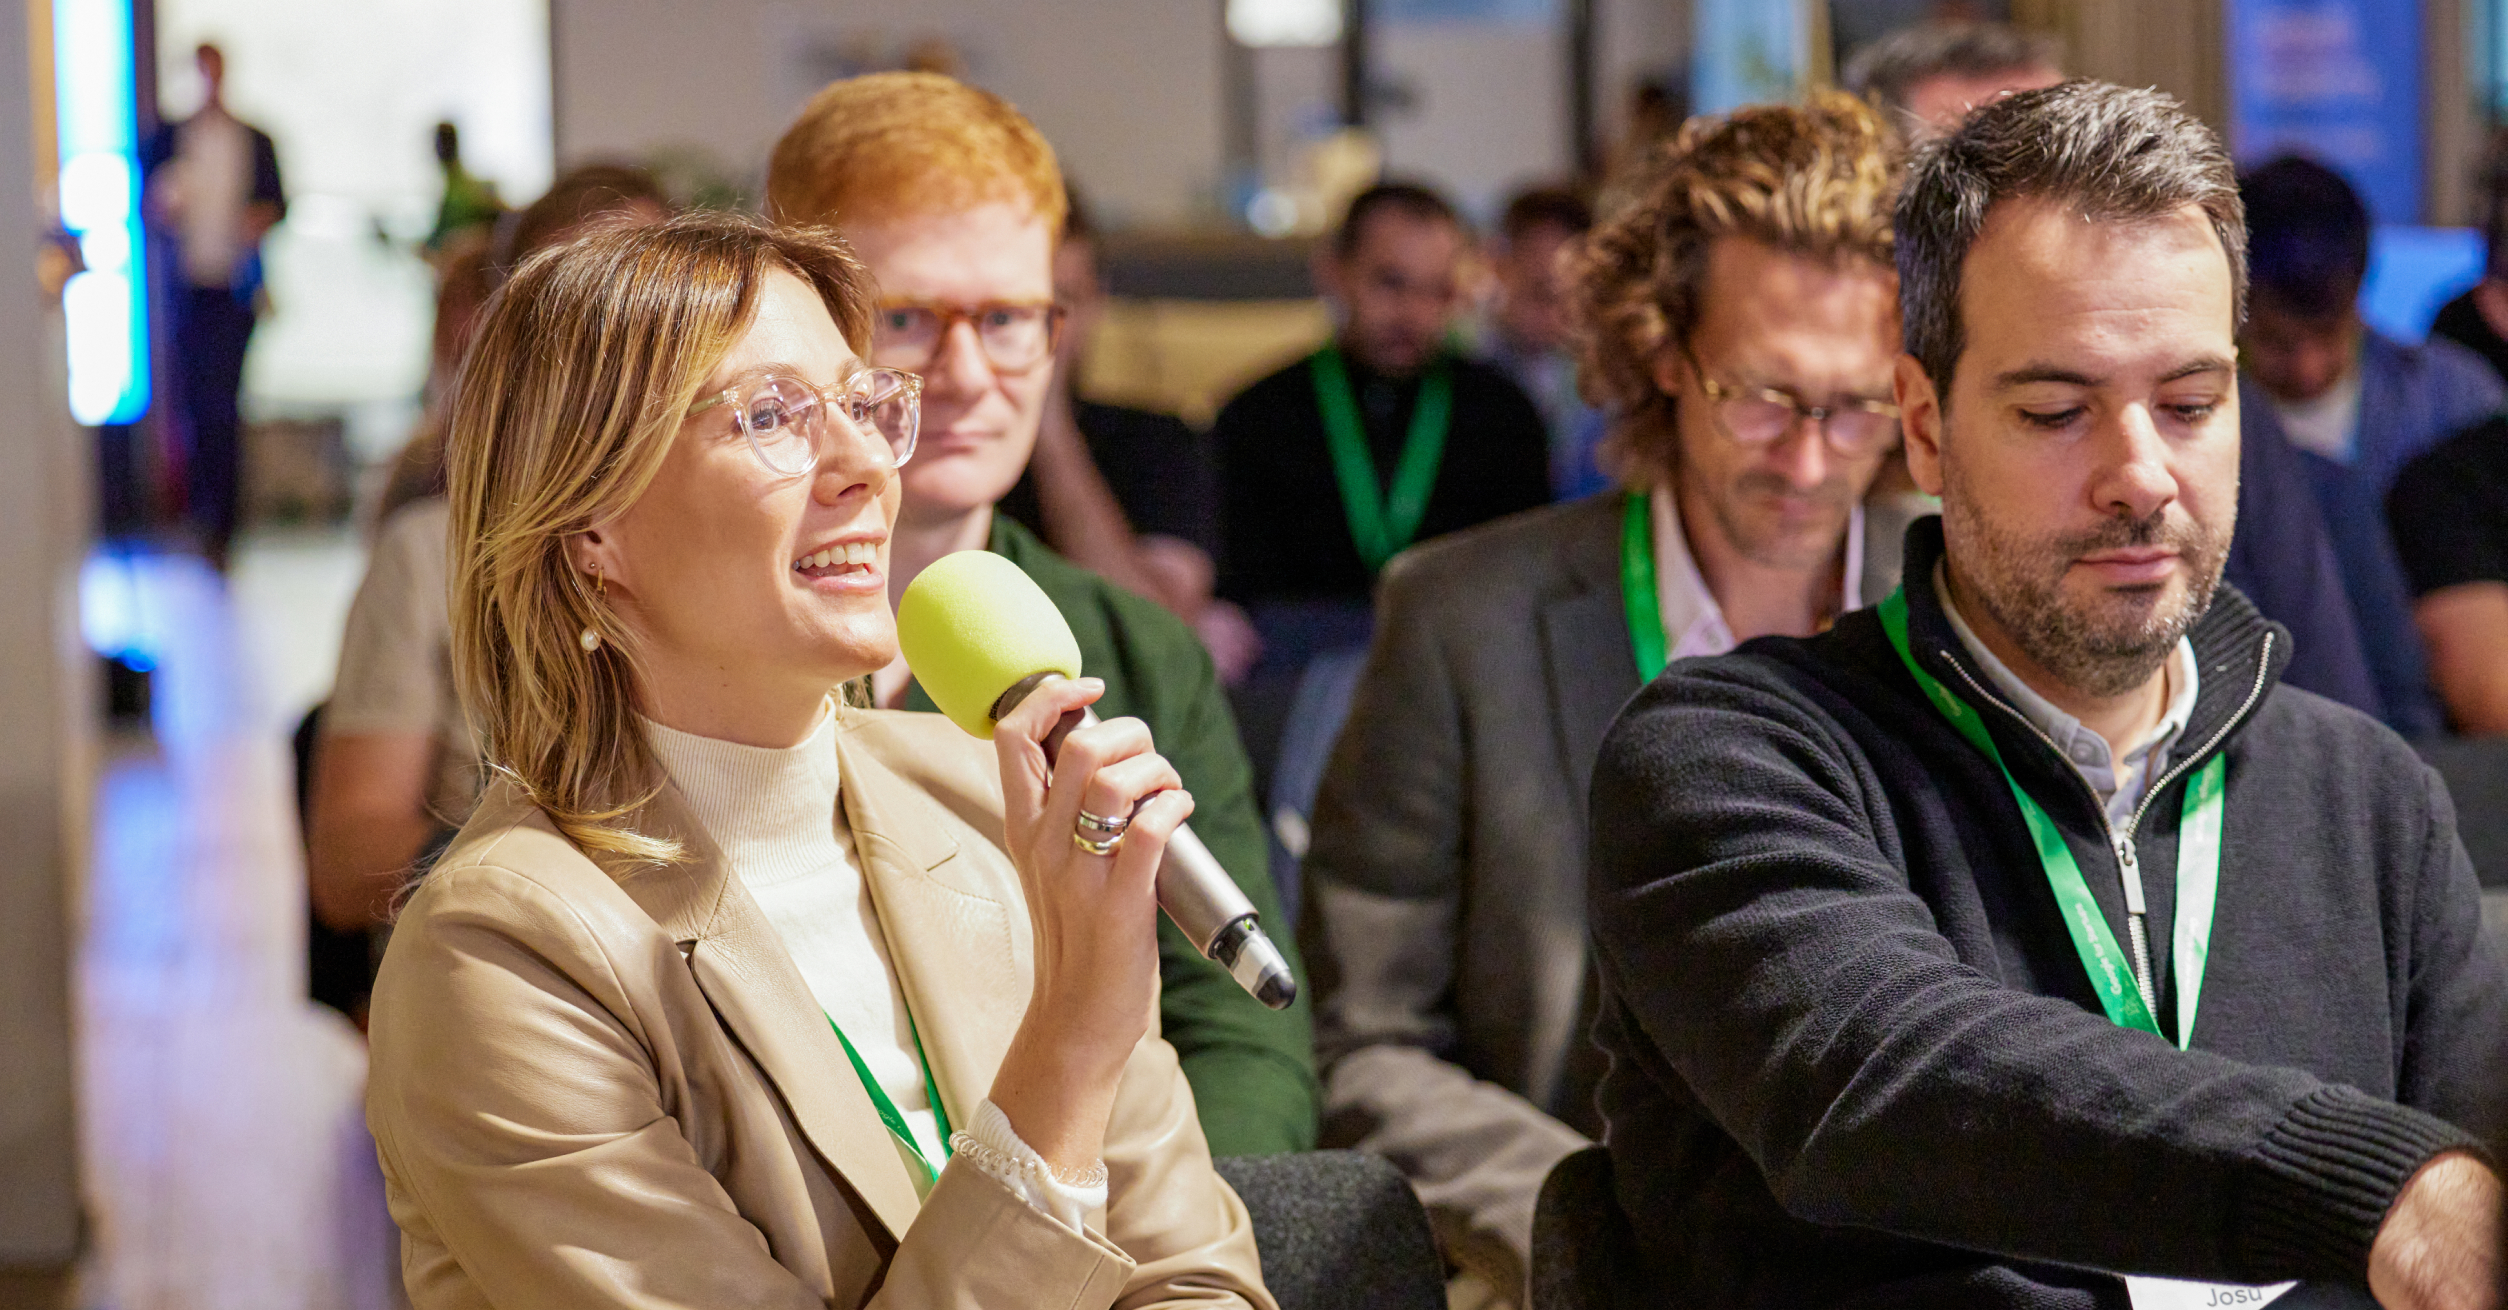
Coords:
1815,180
583,367
890,145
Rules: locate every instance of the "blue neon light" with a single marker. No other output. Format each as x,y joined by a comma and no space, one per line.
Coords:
105,306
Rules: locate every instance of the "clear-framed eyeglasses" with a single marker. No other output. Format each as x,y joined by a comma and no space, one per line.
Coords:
787,420
1015,335
1761,416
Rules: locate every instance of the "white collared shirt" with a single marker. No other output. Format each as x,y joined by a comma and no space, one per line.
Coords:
2120,784
1693,623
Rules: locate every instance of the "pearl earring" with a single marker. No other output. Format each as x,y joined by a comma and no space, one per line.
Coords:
591,640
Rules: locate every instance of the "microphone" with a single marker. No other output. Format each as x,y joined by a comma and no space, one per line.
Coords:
980,635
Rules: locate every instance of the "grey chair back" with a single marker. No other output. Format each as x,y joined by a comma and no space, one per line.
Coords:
1338,1230
1584,1252
2475,770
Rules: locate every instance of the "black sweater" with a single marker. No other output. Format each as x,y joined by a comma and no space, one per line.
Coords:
1285,536
1855,1059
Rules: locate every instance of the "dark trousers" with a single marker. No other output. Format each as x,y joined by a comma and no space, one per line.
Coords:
212,325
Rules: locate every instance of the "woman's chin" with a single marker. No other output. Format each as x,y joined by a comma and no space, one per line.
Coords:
846,654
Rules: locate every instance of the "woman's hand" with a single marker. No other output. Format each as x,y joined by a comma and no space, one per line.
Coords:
1096,916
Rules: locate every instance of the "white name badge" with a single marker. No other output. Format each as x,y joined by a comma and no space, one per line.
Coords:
2171,1294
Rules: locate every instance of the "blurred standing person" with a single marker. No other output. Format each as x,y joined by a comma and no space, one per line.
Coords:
1740,314
1382,438
213,183
2358,403
395,767
468,202
953,201
1529,335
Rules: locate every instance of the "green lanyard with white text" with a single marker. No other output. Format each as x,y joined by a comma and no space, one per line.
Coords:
889,1114
2198,863
1381,525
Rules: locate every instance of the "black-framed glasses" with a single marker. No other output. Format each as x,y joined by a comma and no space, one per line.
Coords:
1015,335
787,420
1761,416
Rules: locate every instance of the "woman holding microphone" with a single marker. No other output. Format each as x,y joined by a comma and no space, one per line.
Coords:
729,994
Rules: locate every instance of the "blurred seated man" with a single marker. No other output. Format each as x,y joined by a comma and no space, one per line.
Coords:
2449,514
1927,77
2019,942
1528,334
1382,438
1742,320
396,769
2359,404
954,202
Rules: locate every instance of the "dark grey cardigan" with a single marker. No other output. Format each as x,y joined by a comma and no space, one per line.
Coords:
1855,1059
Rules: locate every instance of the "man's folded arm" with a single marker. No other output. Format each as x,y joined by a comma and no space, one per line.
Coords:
1751,910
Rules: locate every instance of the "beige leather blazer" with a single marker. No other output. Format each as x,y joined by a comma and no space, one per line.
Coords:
594,1085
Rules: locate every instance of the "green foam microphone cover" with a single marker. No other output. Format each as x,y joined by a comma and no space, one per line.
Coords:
972,625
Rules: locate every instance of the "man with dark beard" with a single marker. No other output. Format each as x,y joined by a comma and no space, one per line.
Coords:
2020,937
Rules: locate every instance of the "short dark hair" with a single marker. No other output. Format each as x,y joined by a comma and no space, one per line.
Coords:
1887,70
1545,206
578,196
2113,154
1412,200
2307,235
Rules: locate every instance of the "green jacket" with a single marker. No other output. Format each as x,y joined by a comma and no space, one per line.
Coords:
1252,1069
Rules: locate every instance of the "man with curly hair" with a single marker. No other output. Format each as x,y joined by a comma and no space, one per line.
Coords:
1740,317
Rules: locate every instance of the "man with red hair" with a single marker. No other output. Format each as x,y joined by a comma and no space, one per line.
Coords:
955,202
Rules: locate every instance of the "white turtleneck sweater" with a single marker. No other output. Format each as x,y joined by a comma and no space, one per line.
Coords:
776,817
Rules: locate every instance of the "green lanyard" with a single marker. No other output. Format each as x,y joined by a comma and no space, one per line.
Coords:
888,1109
2198,863
1381,525
1637,587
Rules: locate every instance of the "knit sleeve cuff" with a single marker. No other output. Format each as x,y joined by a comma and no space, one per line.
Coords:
2325,1177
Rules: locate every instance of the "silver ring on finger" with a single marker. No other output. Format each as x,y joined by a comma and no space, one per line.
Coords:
1103,826
1093,846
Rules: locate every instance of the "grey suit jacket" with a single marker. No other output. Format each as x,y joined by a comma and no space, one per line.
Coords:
1445,911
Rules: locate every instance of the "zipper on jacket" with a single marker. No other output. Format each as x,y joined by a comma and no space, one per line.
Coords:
2128,863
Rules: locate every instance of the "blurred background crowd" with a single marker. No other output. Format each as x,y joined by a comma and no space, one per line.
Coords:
260,313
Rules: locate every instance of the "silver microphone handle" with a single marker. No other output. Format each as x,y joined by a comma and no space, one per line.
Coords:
1213,913
1194,889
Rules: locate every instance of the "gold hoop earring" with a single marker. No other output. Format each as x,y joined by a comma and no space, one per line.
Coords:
589,639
